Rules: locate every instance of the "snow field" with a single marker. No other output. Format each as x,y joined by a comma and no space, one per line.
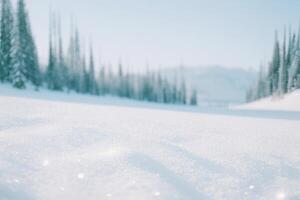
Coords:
67,150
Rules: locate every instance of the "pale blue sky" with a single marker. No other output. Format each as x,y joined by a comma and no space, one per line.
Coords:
233,33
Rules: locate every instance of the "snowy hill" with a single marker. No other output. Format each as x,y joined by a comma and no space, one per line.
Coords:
290,102
68,146
218,84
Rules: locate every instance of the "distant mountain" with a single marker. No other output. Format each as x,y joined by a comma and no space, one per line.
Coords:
217,84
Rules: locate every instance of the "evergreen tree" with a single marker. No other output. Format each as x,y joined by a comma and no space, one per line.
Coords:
83,76
120,81
91,74
27,46
74,61
183,94
294,69
290,49
102,82
283,69
51,69
261,86
194,98
53,72
6,40
18,71
275,65
159,88
62,70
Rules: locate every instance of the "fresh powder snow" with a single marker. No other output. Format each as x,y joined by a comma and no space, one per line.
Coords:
67,146
288,102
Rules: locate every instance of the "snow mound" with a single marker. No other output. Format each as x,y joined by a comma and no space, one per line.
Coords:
290,102
68,146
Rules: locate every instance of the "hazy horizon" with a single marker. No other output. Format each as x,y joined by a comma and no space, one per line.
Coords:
236,34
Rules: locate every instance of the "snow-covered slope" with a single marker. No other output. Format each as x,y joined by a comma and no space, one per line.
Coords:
289,102
69,147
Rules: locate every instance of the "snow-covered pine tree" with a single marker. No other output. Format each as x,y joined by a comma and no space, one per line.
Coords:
84,77
159,88
74,61
18,71
262,84
283,79
27,46
91,73
52,73
51,68
110,81
120,80
168,92
81,74
295,65
101,83
63,73
290,49
183,92
6,40
274,67
194,98
174,91
127,85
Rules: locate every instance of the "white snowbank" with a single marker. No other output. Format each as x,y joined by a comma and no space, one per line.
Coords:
290,102
73,147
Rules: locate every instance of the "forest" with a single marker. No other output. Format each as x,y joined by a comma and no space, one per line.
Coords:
282,74
72,69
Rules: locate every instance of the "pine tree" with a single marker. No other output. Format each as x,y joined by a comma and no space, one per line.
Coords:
283,69
194,98
62,70
120,80
295,65
159,88
18,72
183,94
261,84
6,40
275,65
85,82
91,73
101,84
290,49
74,61
27,46
51,74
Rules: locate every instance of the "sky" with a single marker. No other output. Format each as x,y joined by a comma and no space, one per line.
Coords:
167,33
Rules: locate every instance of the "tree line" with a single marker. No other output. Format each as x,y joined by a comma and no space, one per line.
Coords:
282,74
73,70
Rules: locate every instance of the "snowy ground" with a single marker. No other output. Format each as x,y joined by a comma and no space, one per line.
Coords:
290,102
71,147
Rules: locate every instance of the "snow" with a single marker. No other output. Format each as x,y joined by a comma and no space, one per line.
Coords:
289,102
58,146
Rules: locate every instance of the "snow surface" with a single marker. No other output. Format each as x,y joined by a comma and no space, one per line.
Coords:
289,102
57,146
